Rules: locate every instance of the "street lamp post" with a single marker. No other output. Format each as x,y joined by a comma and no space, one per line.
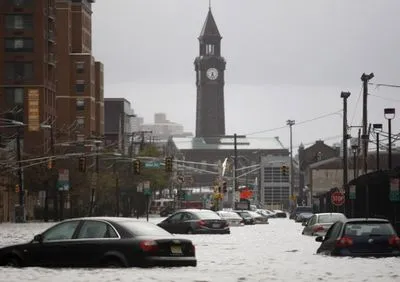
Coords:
377,128
389,115
354,148
94,187
345,96
291,123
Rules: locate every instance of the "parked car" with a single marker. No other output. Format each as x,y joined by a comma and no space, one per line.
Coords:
232,218
303,217
300,209
319,223
280,214
265,213
195,221
245,215
101,242
360,238
259,218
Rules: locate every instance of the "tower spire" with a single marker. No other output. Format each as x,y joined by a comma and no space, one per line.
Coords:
209,4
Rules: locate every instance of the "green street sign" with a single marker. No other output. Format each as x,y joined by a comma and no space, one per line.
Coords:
352,192
147,192
152,164
394,193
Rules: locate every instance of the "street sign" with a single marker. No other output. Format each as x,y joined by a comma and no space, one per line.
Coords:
147,192
146,188
152,164
394,194
337,198
63,180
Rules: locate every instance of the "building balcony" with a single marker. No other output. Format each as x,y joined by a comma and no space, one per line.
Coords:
51,13
51,37
51,59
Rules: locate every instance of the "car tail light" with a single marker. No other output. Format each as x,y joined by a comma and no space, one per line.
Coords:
394,241
193,249
201,223
149,246
318,228
344,242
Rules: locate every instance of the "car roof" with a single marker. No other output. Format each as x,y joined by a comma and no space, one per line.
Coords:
106,218
364,220
193,210
329,213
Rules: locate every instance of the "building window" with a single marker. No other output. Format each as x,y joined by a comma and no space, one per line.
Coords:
80,104
210,49
19,22
14,97
18,45
80,86
21,3
19,71
80,67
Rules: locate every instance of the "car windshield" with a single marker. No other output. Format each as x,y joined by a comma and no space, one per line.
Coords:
207,215
143,228
330,218
244,214
306,214
355,229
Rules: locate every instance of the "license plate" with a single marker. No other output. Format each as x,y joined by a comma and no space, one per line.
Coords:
215,225
176,249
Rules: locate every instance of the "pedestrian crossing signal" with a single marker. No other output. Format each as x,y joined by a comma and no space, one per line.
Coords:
17,188
50,164
136,167
285,170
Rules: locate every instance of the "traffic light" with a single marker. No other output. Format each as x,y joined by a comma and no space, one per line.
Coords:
224,187
136,167
285,170
17,188
50,163
168,164
82,164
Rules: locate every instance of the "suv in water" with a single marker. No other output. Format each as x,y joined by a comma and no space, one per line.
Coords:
299,210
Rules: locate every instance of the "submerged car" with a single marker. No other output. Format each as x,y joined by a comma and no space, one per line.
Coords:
360,237
245,215
101,242
232,218
195,221
300,209
319,223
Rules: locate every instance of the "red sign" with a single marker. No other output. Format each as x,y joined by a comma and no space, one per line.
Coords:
337,198
246,194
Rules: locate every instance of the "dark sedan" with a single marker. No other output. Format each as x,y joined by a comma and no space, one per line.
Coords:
247,218
360,238
101,242
195,221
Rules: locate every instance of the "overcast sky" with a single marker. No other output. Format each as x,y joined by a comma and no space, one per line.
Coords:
285,60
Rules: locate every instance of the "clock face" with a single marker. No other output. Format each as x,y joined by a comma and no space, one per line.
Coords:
212,73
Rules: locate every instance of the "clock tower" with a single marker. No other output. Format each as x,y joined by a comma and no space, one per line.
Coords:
210,80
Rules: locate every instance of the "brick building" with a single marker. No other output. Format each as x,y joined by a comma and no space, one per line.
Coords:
47,72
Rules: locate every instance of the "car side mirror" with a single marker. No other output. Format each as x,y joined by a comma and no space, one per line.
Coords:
319,239
38,238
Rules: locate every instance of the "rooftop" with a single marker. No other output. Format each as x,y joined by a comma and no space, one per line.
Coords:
226,143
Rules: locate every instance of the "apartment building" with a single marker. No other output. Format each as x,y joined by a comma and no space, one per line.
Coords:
27,68
80,105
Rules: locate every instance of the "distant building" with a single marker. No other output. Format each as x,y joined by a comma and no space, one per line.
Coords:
118,123
162,128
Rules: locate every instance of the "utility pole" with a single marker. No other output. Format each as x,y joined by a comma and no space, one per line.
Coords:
20,179
291,123
234,170
92,196
345,96
365,137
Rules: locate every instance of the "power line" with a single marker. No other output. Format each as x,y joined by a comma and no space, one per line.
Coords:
355,108
297,123
385,98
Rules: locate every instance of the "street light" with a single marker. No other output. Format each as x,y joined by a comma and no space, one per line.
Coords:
345,96
377,127
291,123
389,115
